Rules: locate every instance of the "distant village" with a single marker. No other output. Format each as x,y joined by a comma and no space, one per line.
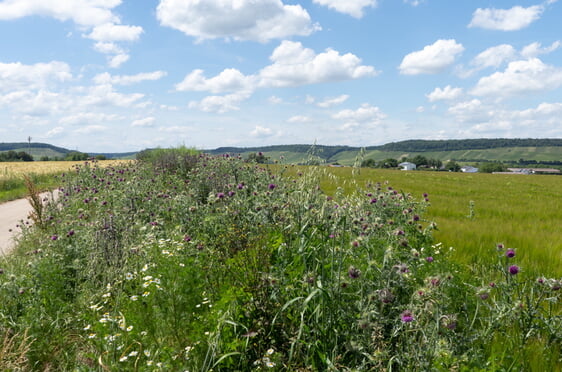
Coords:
408,166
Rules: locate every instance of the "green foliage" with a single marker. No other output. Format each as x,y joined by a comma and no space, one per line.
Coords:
490,167
15,156
229,266
369,163
452,166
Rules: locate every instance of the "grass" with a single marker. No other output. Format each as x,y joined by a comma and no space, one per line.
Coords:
474,210
194,262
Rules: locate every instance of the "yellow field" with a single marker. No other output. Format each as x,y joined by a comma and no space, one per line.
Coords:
16,169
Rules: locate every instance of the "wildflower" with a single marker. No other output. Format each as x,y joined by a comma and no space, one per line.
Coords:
514,269
385,295
145,267
92,335
129,276
407,316
353,272
510,253
123,358
483,293
134,297
429,259
147,353
133,353
146,294
271,186
54,237
270,351
220,195
129,328
87,327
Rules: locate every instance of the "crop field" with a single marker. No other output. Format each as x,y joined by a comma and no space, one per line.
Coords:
475,211
192,262
41,172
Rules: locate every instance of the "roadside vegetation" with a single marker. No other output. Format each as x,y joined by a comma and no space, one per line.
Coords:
184,261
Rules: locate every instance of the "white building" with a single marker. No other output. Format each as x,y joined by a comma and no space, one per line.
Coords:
469,169
407,166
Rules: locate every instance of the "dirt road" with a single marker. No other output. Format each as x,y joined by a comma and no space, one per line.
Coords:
11,214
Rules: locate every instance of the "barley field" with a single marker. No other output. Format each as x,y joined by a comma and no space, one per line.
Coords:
476,211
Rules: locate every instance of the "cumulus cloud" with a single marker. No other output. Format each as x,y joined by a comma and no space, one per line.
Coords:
535,49
219,104
229,80
275,100
520,77
294,65
90,129
448,93
238,19
110,32
512,19
366,114
17,76
261,132
107,78
95,16
331,102
352,7
433,59
494,56
146,122
81,12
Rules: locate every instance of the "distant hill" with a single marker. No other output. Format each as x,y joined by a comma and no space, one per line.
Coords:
39,150
524,151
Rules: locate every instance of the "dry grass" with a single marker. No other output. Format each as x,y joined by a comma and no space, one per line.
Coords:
13,351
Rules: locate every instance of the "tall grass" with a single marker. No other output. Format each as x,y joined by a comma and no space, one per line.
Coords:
230,266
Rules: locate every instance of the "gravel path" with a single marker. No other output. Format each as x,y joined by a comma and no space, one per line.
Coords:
11,214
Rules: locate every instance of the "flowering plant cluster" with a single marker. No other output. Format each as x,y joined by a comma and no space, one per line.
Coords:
194,262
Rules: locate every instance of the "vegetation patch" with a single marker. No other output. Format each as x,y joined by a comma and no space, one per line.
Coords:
195,262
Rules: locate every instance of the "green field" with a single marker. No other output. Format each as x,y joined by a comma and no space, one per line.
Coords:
523,212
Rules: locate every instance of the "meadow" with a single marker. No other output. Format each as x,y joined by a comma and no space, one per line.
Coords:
185,261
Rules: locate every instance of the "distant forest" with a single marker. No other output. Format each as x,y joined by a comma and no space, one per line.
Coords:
406,146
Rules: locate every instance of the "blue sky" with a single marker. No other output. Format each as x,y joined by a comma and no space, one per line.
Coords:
124,75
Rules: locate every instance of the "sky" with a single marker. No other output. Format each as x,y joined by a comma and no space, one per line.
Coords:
125,75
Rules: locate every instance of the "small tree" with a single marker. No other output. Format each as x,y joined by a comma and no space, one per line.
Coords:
452,166
368,163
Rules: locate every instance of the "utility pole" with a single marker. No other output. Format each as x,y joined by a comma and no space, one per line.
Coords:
29,144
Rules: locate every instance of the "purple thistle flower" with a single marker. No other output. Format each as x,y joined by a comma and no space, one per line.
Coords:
514,269
353,272
220,195
54,237
510,253
429,259
271,186
407,316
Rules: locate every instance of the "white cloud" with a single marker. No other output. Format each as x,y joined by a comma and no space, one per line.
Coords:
87,118
352,7
512,19
420,109
432,59
275,100
17,76
108,48
331,102
81,12
414,2
366,114
106,78
534,49
219,104
299,119
90,129
54,132
146,122
470,111
494,56
520,77
261,132
448,93
239,19
110,32
118,60
103,95
229,80
294,65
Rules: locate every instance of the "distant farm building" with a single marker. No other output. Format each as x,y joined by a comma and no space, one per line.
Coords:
407,166
469,169
534,170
